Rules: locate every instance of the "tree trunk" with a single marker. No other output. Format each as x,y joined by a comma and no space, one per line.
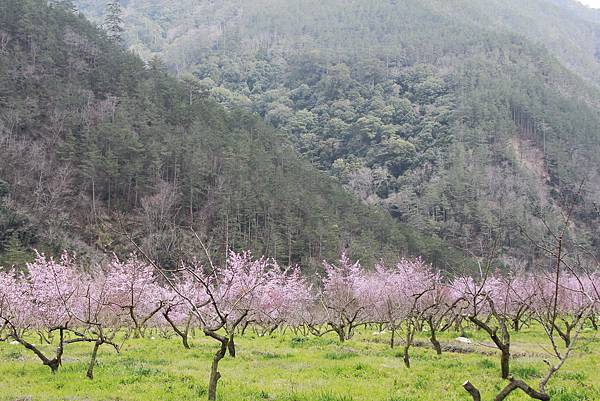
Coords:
53,365
433,339
406,357
231,346
350,332
183,334
339,330
90,371
471,389
185,342
436,344
244,327
214,371
502,344
137,333
505,362
410,333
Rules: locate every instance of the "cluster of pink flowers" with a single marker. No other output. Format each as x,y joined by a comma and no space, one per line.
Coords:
132,294
520,296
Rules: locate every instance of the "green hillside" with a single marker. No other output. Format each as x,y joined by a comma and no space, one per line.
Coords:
464,119
95,143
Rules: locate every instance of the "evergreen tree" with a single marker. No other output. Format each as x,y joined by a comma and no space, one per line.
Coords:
4,189
113,22
14,253
67,5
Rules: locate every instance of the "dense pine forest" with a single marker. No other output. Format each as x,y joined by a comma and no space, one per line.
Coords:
298,130
97,144
465,120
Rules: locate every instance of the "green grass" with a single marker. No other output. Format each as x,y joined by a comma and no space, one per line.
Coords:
289,368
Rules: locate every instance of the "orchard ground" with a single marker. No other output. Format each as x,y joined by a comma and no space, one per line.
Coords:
295,368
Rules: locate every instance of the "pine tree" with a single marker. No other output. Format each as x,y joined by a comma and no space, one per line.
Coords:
113,22
67,151
14,253
67,5
4,188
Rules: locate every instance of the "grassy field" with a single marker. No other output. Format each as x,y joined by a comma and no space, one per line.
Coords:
288,368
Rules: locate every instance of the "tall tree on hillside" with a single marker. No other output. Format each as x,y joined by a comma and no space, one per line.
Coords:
68,5
14,253
113,22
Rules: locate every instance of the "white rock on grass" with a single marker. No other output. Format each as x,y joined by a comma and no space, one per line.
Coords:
464,340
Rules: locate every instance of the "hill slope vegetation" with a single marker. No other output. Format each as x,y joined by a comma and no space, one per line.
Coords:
95,143
467,120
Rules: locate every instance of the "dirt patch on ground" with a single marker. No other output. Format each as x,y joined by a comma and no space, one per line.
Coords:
481,348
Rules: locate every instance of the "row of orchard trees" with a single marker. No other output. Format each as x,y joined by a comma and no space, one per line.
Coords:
62,305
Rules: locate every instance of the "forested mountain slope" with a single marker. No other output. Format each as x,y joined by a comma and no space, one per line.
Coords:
467,119
95,143
182,28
